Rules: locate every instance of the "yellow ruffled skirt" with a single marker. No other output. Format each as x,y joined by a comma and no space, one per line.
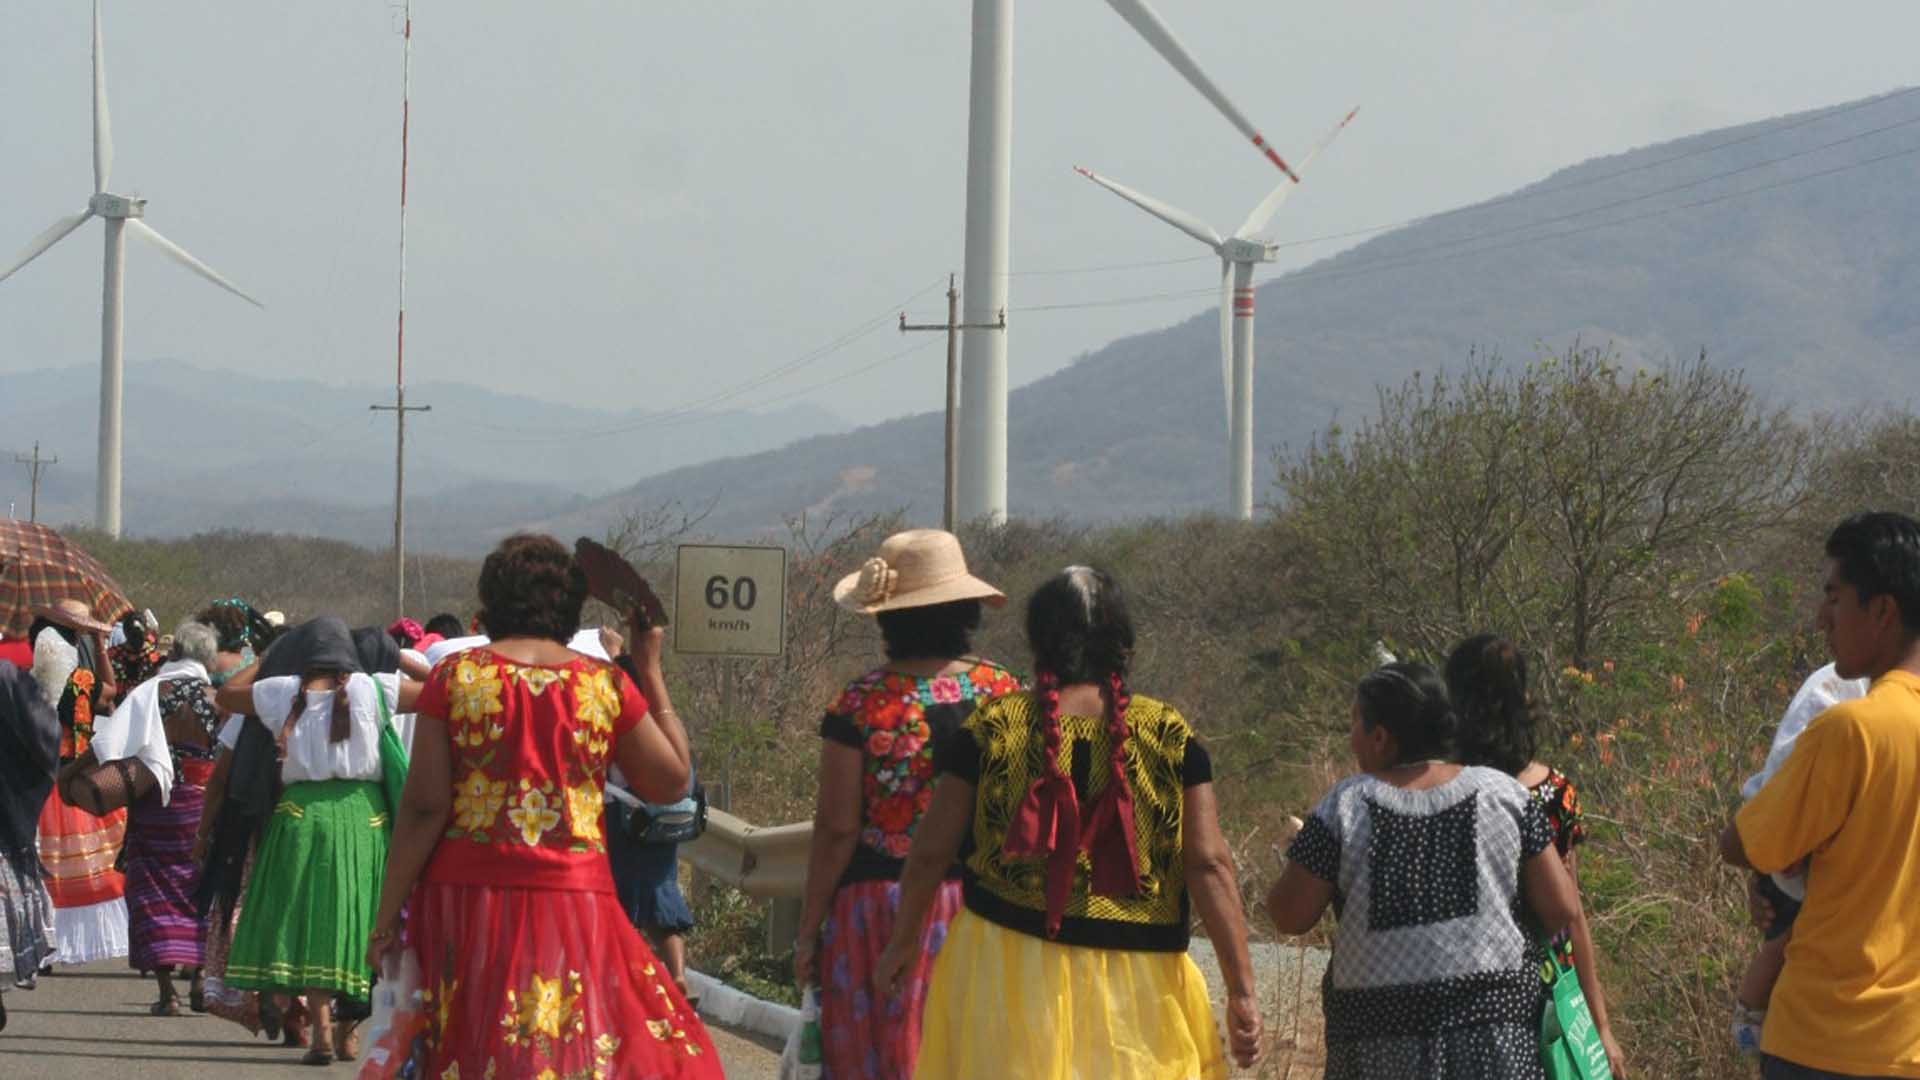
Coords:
1008,1004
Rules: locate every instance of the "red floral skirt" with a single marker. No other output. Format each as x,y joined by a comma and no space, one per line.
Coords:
863,1037
521,981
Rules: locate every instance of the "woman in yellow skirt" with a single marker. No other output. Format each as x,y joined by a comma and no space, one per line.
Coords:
1084,818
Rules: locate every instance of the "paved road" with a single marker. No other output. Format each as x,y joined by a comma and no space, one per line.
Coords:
91,1023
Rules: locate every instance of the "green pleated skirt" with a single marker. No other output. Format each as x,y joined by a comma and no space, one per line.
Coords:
314,892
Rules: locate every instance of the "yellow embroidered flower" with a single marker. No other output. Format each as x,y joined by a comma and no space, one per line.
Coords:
595,700
537,679
534,817
547,1074
584,809
443,1007
451,1072
659,1029
473,693
477,801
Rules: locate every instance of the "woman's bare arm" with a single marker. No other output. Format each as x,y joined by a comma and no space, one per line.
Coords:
936,843
836,831
425,804
1213,883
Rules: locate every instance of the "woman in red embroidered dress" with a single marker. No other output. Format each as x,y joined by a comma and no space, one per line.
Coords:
499,851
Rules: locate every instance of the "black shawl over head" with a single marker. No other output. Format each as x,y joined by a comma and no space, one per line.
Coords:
253,782
379,653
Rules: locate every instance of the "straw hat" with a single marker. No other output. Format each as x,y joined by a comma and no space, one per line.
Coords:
72,614
916,568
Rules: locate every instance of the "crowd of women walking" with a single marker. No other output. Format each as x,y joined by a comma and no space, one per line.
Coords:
1004,869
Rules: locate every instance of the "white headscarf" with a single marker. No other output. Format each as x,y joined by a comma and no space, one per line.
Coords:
137,728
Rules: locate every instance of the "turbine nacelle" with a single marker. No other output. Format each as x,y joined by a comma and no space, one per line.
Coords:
111,206
1241,250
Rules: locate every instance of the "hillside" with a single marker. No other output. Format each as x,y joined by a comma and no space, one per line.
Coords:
209,449
1807,287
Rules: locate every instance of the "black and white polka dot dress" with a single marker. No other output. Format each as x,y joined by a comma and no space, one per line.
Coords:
1429,975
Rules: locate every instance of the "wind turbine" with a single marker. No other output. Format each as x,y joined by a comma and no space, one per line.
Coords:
121,213
1238,254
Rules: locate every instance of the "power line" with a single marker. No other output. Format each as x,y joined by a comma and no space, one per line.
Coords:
653,420
1405,259
1518,196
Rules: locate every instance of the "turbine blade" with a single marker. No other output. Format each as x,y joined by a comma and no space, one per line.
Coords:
1148,24
179,254
45,240
1263,213
1173,216
102,132
1226,341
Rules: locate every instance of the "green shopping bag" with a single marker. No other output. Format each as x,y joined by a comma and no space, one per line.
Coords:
393,758
1570,1045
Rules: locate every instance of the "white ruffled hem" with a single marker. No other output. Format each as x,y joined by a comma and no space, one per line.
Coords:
95,932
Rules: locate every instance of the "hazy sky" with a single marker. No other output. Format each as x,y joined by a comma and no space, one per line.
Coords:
650,203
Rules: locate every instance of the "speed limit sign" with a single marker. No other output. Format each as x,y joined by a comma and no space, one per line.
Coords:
730,601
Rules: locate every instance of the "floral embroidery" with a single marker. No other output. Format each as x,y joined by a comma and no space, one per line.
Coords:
547,1009
451,1072
473,699
888,712
584,807
477,801
443,1007
73,743
537,679
596,701
534,816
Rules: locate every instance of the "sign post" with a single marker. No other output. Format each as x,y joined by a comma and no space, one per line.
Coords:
730,601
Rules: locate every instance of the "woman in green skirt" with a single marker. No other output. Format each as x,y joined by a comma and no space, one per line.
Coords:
309,905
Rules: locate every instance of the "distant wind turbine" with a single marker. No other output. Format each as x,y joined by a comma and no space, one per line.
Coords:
1238,254
121,213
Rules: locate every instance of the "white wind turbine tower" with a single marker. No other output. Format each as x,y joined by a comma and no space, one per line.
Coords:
121,213
1238,254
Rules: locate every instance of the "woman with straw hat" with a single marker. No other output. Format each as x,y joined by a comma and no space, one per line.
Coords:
879,739
1084,817
79,848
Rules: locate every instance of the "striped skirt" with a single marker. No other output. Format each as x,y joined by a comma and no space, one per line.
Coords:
315,888
26,920
89,902
162,929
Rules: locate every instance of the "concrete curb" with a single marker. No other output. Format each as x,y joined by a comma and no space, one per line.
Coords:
741,1011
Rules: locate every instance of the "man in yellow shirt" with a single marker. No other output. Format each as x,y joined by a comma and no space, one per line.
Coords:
1848,801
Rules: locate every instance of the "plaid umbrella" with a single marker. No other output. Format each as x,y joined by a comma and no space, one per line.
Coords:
38,567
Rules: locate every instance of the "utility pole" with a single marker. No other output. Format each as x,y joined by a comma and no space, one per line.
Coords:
34,464
400,408
952,326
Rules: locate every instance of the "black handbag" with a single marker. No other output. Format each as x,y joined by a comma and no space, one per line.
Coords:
670,823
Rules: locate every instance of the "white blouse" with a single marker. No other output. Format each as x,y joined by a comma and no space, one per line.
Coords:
311,755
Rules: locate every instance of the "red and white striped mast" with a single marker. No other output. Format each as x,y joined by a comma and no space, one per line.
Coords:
400,408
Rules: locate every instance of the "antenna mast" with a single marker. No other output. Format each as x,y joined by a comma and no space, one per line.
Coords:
400,408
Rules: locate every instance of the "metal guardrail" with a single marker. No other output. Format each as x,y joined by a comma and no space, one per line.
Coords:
767,862
764,861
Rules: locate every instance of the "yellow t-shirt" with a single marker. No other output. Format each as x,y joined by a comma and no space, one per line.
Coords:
1849,795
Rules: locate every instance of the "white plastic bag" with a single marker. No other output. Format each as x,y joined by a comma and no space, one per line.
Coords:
801,1058
398,1015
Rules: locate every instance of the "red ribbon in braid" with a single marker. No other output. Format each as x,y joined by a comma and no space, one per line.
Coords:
1049,823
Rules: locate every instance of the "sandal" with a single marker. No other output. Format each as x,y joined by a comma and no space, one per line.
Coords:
165,1007
318,1054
